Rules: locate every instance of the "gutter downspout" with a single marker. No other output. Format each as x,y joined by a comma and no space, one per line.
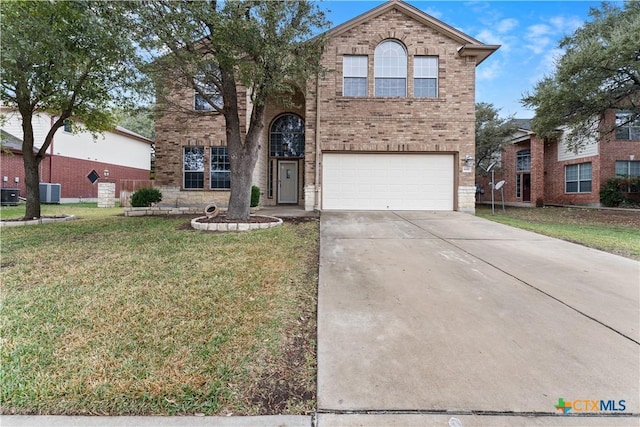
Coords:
317,136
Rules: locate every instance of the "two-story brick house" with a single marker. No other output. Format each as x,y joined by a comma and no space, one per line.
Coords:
545,171
389,126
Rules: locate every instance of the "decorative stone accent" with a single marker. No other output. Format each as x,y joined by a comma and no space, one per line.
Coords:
467,199
231,226
43,220
162,211
106,194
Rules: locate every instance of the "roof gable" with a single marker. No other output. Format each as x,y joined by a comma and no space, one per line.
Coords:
468,45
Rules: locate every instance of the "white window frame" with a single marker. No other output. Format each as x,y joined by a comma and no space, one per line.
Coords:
425,68
216,168
185,170
355,68
580,178
627,130
390,67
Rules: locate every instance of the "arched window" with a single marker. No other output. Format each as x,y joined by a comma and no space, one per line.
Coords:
390,69
286,136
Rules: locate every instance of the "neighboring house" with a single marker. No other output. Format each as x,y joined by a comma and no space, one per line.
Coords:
540,171
76,161
390,126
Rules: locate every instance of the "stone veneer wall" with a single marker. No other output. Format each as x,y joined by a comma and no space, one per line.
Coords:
106,194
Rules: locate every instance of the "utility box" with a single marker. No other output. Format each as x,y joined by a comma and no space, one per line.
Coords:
10,196
49,193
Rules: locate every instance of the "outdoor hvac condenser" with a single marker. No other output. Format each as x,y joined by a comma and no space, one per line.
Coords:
49,193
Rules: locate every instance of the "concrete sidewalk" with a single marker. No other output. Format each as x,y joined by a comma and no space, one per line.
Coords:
448,313
323,420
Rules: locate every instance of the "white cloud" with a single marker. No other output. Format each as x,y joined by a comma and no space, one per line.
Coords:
433,12
490,70
506,25
547,65
488,37
566,25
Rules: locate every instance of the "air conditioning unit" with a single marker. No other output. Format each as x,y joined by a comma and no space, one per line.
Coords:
10,196
49,193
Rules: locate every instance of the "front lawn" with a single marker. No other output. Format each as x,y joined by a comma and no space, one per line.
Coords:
614,231
115,315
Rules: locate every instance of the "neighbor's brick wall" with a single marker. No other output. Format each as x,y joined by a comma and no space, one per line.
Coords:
554,182
12,166
70,173
444,124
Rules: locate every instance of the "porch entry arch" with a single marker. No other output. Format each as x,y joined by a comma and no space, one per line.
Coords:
286,158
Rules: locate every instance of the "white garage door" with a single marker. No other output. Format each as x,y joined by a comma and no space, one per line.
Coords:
387,181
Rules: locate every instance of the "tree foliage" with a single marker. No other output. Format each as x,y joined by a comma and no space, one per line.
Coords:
218,47
599,70
492,132
69,59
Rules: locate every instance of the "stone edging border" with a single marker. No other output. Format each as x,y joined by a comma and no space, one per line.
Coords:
234,226
43,220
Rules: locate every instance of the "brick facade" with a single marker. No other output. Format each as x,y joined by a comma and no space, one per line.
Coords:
70,173
334,123
548,172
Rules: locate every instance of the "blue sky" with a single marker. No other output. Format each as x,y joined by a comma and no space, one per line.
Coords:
529,32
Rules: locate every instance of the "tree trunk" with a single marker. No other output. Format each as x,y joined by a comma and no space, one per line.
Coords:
32,176
242,159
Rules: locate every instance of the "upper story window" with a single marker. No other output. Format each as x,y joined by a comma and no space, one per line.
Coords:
193,167
523,160
355,72
425,77
67,126
206,92
627,128
286,136
390,69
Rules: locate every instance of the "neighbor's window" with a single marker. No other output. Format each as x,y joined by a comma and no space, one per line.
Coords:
518,186
206,92
425,77
523,160
220,169
627,128
577,178
390,69
629,169
193,167
67,127
354,71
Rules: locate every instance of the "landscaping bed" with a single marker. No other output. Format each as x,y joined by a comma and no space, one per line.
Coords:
111,315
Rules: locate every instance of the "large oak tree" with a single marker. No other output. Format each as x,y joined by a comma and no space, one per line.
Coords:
70,59
217,47
599,70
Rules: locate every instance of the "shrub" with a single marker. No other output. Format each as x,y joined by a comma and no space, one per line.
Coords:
145,197
611,194
255,196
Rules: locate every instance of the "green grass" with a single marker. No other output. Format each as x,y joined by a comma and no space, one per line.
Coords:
115,315
613,231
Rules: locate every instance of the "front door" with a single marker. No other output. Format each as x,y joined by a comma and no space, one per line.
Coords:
526,187
287,182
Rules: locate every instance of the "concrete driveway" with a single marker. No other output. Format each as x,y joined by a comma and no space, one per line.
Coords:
443,312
